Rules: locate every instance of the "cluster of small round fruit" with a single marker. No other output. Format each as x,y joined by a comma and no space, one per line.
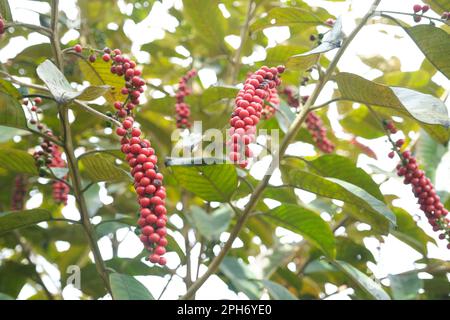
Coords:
140,157
60,189
417,8
292,100
313,122
248,110
273,102
182,109
50,155
430,203
19,193
318,132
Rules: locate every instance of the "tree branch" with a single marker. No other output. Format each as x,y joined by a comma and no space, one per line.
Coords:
96,113
54,39
290,134
72,161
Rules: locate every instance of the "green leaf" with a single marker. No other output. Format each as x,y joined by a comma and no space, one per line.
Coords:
17,161
5,297
134,267
98,74
210,31
434,43
8,88
241,277
437,6
103,166
211,225
285,116
93,198
331,40
362,281
215,182
339,167
17,276
11,112
405,286
281,53
61,89
410,233
277,291
208,98
367,208
429,153
306,223
426,109
5,10
109,227
60,173
288,16
125,287
93,92
362,123
19,219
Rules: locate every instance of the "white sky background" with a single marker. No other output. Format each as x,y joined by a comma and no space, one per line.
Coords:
392,256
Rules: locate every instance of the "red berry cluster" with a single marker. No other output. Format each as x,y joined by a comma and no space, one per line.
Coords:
248,109
182,109
319,133
270,108
60,189
423,189
418,8
19,193
49,155
141,158
291,98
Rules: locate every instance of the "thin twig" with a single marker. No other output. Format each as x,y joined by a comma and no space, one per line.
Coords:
382,12
40,29
91,110
325,103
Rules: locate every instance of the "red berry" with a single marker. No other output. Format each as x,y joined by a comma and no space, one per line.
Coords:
106,57
77,48
417,8
121,131
425,8
154,258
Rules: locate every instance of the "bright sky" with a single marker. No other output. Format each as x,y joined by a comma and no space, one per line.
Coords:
392,256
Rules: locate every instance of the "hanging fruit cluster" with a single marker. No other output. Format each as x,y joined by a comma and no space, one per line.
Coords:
313,123
248,110
182,109
19,192
140,157
430,203
49,156
272,104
